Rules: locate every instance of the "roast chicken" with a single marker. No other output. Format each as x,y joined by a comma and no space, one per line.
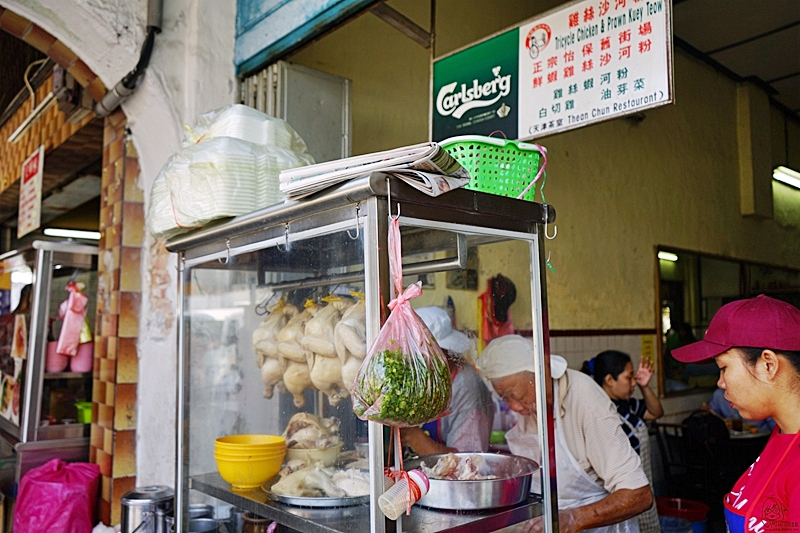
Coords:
307,431
325,366
265,346
296,376
350,340
315,481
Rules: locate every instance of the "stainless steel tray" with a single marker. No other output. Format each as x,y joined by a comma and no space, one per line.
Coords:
302,501
512,485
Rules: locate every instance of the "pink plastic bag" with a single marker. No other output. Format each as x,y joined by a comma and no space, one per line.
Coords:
72,311
404,381
57,496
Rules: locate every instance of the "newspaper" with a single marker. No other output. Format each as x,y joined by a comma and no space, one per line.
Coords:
426,166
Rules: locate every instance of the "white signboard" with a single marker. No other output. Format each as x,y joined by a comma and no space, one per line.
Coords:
592,61
581,63
30,193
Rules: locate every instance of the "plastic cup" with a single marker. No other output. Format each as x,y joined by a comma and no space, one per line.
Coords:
394,501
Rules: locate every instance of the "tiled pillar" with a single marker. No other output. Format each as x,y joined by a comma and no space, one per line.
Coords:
113,441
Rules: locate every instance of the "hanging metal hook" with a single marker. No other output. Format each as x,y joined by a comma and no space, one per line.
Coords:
389,200
555,232
546,218
228,257
286,239
358,227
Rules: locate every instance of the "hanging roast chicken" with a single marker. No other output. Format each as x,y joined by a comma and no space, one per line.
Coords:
297,374
323,361
265,346
350,339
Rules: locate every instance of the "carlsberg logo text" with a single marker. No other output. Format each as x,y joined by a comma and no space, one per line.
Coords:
449,101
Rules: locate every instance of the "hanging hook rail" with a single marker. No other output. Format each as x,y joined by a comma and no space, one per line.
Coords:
358,226
228,257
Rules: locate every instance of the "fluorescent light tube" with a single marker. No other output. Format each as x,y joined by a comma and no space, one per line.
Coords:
72,233
788,176
666,256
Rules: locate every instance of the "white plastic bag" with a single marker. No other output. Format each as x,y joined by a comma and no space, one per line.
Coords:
229,165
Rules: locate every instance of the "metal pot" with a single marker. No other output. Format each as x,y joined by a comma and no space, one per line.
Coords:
144,509
196,525
511,486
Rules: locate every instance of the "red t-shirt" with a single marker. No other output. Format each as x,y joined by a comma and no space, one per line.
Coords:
766,498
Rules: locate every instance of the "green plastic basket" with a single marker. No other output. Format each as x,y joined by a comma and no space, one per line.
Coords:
497,166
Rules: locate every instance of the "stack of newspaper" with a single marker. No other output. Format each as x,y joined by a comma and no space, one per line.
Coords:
425,166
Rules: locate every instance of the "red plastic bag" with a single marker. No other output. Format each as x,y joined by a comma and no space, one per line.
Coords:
404,381
72,311
57,496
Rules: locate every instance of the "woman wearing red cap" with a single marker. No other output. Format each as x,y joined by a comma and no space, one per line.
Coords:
756,344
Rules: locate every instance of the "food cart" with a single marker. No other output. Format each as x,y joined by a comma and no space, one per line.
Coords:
42,421
333,243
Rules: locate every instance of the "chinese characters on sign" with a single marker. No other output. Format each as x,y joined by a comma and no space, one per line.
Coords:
591,61
30,193
585,62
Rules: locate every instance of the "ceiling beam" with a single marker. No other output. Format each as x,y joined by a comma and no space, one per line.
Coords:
405,25
755,37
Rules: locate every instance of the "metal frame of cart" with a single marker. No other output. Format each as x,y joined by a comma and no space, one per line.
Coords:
363,207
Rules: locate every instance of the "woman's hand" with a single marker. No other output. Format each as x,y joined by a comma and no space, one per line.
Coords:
645,373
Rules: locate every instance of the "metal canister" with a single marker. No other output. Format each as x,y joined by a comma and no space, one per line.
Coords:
144,509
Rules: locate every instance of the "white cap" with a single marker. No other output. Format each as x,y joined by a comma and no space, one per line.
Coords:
438,321
511,354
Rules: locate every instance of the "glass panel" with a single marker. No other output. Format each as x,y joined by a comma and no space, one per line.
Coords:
68,380
240,382
14,324
234,325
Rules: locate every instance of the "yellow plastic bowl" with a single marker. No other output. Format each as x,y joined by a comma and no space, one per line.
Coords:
248,473
327,456
239,450
236,441
249,455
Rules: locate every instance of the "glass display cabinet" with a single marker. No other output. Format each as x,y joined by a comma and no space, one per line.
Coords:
244,283
43,392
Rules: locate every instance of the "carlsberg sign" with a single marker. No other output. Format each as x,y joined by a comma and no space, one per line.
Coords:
475,90
454,102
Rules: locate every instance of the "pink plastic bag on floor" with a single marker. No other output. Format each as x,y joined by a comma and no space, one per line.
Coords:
57,496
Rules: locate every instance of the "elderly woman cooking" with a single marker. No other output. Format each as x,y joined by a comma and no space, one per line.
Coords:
601,484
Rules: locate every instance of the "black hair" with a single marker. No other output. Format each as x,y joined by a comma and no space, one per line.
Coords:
751,355
605,363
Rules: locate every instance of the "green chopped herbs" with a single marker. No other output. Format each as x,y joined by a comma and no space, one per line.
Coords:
402,389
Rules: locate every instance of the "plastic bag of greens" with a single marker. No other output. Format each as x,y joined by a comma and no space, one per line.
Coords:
404,380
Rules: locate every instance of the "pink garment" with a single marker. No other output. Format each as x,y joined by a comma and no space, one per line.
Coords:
72,312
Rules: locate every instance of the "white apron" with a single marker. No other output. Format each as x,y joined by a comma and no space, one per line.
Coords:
575,486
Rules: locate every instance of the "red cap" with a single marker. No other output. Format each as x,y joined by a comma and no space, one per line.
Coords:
760,322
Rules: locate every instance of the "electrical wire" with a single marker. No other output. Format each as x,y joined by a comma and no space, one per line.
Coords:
28,84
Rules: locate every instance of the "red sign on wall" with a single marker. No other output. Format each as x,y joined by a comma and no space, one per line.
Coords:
30,193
